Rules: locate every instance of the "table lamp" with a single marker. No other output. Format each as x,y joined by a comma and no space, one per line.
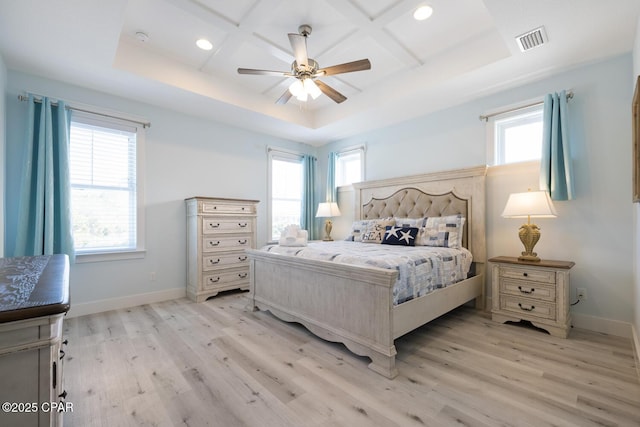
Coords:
532,204
327,210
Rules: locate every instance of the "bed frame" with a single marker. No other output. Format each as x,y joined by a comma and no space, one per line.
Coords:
354,304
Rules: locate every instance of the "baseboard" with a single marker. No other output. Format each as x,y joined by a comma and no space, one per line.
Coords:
602,325
636,347
99,306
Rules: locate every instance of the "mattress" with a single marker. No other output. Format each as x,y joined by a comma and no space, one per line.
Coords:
421,269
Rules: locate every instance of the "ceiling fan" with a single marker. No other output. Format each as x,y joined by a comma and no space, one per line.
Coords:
306,71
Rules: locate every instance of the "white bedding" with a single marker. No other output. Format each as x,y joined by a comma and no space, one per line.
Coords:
421,269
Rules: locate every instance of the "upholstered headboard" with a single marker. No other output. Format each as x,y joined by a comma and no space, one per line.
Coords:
460,191
414,203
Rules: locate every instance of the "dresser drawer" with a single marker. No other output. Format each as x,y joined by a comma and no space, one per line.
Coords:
528,288
224,278
225,243
211,225
528,307
227,208
213,262
529,274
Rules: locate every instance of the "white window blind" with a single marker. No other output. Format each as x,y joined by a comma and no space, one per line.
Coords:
104,195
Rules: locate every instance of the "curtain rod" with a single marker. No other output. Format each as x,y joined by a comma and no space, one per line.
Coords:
522,107
68,107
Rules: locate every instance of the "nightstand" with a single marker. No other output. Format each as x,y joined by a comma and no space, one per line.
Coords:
533,291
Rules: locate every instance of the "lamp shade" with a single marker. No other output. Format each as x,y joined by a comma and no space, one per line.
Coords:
327,210
534,204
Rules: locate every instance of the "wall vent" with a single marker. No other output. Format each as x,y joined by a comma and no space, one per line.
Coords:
531,39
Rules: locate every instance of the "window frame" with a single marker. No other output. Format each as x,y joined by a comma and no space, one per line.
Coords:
277,154
495,148
361,149
107,121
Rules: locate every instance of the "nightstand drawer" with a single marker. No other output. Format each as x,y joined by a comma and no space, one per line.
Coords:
529,274
528,307
528,288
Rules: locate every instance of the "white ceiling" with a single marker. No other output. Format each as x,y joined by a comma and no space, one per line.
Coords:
465,50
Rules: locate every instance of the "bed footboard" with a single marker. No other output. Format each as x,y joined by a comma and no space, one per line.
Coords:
352,305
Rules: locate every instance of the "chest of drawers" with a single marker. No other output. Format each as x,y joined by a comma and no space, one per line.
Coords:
218,232
537,292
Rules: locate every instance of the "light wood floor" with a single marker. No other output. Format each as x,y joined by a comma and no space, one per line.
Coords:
179,363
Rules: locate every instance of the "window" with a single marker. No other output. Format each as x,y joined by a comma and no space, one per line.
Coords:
349,166
106,196
286,189
517,136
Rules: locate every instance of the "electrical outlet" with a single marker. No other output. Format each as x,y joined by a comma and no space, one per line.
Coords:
581,293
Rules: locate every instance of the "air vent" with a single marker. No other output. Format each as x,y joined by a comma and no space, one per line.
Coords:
531,39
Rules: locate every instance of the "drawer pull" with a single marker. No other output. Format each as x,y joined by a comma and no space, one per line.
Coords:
212,262
533,307
243,208
212,225
242,258
242,225
524,291
212,243
525,274
242,275
243,242
212,280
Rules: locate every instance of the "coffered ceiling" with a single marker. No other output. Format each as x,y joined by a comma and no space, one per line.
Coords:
465,50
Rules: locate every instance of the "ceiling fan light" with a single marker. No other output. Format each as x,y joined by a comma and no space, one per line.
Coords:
312,88
422,13
302,96
296,88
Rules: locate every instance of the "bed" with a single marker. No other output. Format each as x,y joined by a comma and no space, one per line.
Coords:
354,304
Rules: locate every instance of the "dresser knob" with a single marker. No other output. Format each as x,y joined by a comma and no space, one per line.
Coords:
525,274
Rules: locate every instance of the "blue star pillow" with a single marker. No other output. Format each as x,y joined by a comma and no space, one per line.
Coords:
403,236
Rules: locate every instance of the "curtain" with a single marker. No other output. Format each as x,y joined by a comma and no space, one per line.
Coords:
44,211
307,216
556,174
332,195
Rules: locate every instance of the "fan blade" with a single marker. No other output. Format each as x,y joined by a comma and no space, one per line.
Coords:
331,92
299,46
286,96
264,72
348,67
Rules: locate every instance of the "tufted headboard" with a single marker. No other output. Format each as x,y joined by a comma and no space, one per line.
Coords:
411,202
460,191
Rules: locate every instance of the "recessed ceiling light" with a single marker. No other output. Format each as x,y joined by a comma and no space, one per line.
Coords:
422,13
204,44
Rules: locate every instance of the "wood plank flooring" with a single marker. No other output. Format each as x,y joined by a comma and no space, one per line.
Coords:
179,363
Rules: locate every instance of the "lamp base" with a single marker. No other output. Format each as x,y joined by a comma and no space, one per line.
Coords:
328,225
529,236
